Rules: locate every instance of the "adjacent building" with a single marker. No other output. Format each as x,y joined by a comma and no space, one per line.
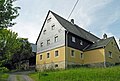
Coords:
63,44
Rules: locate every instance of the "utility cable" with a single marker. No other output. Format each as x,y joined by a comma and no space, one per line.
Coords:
73,9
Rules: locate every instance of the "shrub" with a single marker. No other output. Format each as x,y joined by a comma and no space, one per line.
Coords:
3,69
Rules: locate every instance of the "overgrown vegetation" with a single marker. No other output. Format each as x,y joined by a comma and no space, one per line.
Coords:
79,74
3,76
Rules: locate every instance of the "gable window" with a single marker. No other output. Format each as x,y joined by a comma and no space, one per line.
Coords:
72,53
56,53
110,54
49,19
81,55
48,55
48,42
44,32
53,27
40,57
56,38
41,44
73,39
81,42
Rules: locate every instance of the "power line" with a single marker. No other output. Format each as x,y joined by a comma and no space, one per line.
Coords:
73,9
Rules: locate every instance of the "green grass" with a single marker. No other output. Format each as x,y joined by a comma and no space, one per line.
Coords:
79,74
3,76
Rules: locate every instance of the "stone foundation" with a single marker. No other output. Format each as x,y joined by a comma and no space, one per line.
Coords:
51,66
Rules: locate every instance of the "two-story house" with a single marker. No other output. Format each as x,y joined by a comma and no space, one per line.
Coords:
62,44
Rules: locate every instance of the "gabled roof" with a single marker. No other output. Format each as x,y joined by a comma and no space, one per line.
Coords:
75,29
100,43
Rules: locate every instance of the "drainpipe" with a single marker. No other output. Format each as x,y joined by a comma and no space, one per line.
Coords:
104,57
66,42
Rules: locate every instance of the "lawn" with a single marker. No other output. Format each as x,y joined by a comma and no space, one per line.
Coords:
3,76
79,74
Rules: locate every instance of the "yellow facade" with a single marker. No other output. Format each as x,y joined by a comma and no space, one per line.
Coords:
94,56
76,58
65,58
45,60
112,47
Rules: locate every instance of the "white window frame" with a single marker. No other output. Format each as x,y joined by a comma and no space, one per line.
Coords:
48,42
44,31
110,54
72,53
41,57
53,27
49,19
81,55
48,55
56,38
41,44
73,39
81,42
57,53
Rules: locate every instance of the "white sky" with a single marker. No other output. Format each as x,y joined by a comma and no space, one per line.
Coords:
96,16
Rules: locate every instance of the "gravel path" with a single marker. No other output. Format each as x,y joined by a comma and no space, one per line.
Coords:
19,76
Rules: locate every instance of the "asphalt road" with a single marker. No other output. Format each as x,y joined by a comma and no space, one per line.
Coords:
20,76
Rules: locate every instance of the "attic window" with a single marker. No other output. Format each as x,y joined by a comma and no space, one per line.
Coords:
56,38
49,19
44,32
81,42
110,54
53,27
73,39
48,42
41,44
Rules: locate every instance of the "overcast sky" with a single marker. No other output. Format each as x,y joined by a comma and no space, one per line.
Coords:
96,16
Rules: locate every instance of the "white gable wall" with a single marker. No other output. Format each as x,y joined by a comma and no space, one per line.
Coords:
50,34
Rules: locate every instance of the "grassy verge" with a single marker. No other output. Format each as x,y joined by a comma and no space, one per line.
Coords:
79,74
3,76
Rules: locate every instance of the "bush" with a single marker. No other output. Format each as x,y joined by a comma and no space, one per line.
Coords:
3,69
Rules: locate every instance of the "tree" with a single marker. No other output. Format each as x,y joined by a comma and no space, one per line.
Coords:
9,45
7,13
24,53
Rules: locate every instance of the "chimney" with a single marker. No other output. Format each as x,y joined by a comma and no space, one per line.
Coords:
105,36
72,21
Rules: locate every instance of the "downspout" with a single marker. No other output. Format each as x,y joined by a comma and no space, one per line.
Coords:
104,58
66,42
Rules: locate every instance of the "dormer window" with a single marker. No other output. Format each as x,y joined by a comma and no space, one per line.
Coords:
73,39
81,42
44,32
49,19
53,27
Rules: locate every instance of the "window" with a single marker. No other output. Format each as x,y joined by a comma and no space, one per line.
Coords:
56,38
56,65
110,54
49,19
73,39
44,32
56,53
41,44
40,57
48,55
48,42
81,55
72,53
81,42
53,27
